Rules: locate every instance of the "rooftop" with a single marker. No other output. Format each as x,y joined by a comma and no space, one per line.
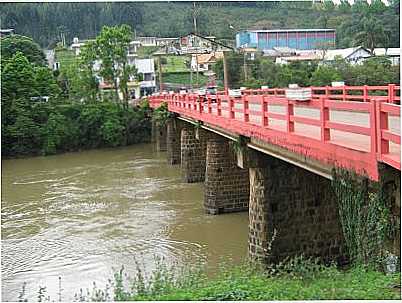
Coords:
291,30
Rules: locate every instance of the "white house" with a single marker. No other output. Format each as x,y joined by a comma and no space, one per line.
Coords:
354,55
146,68
393,54
147,41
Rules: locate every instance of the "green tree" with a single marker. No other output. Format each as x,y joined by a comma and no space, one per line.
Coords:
88,83
324,75
45,83
12,44
372,34
112,48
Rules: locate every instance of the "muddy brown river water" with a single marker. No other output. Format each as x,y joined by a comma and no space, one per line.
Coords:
81,216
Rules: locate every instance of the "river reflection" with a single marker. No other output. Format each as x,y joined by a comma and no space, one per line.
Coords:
81,216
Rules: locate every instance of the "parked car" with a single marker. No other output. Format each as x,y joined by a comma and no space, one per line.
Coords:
236,93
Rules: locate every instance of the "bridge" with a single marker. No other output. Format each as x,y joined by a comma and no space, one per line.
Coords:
274,157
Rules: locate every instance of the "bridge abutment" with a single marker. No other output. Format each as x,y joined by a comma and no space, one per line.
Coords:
390,187
173,141
292,210
226,185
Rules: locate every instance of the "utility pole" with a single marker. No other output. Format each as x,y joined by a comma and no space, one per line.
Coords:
195,12
225,74
245,66
160,74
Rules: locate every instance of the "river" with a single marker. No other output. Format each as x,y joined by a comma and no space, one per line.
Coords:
81,216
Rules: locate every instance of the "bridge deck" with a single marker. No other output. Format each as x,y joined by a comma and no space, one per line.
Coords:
343,133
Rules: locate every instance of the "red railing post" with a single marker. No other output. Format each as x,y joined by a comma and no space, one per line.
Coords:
231,106
344,93
264,111
373,127
209,105
382,124
327,92
289,113
324,117
200,100
391,93
246,115
218,105
365,93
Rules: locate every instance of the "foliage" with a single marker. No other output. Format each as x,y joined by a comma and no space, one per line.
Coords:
184,78
365,218
111,48
12,44
324,75
45,22
295,279
161,115
264,71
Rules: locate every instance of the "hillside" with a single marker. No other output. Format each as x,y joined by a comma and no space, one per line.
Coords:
46,22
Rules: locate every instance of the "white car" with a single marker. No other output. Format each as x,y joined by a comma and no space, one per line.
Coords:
236,93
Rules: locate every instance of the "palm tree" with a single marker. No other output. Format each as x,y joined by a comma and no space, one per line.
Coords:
371,34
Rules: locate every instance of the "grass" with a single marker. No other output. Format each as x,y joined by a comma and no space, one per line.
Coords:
296,279
184,78
176,64
243,283
65,56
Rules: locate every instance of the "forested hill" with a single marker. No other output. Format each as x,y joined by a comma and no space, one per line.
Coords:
45,22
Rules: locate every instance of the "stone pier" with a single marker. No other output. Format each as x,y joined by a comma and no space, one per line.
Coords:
160,137
173,144
226,185
193,154
292,211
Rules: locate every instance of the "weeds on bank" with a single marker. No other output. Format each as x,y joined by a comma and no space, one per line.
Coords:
297,278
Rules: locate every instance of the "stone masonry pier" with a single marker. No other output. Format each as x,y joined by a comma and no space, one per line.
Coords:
292,206
226,185
292,210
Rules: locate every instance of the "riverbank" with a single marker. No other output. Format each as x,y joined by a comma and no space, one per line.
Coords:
55,128
297,279
302,282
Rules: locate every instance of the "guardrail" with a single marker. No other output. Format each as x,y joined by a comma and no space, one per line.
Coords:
387,93
271,117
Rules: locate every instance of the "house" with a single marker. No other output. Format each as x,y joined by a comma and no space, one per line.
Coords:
307,57
146,70
393,54
6,32
203,62
354,55
165,41
147,41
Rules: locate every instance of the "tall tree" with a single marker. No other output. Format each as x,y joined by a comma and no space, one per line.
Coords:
112,48
31,50
371,34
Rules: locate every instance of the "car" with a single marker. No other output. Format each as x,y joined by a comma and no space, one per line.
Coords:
211,90
235,93
201,92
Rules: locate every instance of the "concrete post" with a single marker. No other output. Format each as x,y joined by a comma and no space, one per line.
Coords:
226,185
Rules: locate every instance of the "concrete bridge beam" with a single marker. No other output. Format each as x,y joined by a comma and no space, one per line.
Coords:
226,185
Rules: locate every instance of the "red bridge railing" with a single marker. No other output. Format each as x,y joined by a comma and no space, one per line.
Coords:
337,131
